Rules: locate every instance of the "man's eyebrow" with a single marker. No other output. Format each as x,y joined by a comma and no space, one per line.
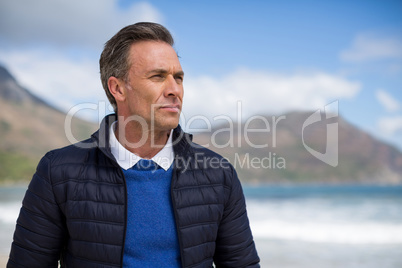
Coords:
163,71
158,71
179,73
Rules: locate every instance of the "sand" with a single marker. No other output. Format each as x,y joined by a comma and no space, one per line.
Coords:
3,260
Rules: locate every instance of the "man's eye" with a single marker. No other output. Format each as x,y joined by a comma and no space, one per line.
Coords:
157,76
179,78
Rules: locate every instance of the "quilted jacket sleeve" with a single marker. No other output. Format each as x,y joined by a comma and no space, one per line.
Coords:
40,228
235,245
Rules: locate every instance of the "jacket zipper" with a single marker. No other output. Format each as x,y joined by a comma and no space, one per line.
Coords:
174,177
125,218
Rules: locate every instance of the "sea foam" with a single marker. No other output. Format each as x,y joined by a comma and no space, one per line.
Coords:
324,221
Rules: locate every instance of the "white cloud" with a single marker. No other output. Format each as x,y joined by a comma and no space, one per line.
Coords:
389,103
369,47
262,92
68,23
390,125
53,47
57,79
66,82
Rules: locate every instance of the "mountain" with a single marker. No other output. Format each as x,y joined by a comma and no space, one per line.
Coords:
29,127
277,149
11,91
266,149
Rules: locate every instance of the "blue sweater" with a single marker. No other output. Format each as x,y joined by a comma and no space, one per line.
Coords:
151,236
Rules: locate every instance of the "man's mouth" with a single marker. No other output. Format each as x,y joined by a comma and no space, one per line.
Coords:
174,108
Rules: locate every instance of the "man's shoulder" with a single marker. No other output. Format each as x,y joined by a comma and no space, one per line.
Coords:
73,153
200,166
201,149
204,158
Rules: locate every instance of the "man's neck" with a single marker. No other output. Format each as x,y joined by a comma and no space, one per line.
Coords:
144,143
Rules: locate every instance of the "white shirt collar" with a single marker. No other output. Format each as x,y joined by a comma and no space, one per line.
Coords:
126,159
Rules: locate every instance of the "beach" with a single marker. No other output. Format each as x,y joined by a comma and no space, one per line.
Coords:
298,226
3,260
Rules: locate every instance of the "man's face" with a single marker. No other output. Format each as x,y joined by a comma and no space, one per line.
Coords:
155,84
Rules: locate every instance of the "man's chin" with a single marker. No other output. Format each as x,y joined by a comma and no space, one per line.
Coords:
167,125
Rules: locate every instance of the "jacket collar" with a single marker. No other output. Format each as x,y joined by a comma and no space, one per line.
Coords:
181,141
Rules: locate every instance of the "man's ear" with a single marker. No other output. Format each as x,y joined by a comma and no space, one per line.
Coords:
117,88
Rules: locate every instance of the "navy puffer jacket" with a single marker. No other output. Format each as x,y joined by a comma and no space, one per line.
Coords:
75,209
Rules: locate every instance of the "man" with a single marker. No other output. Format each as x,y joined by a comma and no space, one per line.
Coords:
138,193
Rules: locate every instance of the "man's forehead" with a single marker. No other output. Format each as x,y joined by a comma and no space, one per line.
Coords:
147,49
149,55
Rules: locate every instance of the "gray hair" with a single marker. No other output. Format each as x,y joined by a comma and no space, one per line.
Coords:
114,60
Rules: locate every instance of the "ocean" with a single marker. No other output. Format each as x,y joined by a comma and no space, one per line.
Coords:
327,226
300,226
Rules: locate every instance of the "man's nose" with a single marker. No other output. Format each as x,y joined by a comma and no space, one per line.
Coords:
173,87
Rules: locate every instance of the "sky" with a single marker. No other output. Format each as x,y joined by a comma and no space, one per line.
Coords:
265,57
